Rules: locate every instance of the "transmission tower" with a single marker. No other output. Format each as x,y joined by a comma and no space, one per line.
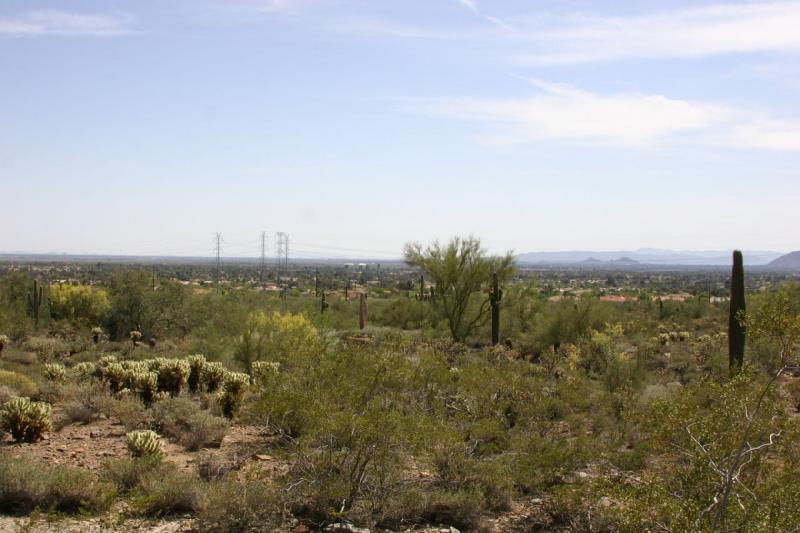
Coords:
218,247
279,253
263,255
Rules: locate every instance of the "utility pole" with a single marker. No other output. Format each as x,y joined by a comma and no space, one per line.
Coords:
263,256
218,247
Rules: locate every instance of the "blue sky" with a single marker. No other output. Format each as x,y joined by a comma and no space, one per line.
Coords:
145,127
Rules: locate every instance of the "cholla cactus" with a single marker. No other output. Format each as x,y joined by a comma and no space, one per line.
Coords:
135,337
3,341
261,370
97,334
84,370
144,444
173,375
55,372
27,421
233,387
114,374
213,375
196,364
684,336
146,385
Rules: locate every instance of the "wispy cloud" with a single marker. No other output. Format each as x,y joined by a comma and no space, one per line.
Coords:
472,6
565,113
711,30
51,22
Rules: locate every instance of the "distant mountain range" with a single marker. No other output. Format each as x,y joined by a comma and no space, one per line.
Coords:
790,261
648,256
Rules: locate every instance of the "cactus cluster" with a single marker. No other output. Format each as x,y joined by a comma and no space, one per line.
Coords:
159,378
233,388
136,337
55,372
84,370
27,421
144,444
213,376
260,370
173,374
196,364
3,341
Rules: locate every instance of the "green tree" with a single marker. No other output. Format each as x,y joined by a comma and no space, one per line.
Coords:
460,271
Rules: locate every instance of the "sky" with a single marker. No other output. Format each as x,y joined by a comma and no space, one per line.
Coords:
355,126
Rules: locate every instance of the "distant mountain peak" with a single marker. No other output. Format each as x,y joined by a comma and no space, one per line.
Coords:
790,261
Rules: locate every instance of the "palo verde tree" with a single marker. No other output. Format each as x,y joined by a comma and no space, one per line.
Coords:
460,272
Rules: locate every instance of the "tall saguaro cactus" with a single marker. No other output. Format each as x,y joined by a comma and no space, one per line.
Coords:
421,288
495,297
735,329
362,310
35,301
323,304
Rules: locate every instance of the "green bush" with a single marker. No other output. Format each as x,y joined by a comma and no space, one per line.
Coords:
18,382
183,420
166,491
127,473
241,506
26,485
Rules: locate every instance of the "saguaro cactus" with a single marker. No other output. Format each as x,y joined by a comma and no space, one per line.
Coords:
362,310
316,283
35,301
494,299
736,332
323,305
421,295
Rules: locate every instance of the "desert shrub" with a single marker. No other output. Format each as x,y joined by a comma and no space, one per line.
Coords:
241,506
18,382
131,412
793,389
46,348
691,432
77,302
166,491
6,394
55,372
279,336
127,473
144,443
76,411
26,485
462,509
183,420
27,421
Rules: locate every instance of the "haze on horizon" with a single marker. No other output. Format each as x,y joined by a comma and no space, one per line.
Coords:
145,127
